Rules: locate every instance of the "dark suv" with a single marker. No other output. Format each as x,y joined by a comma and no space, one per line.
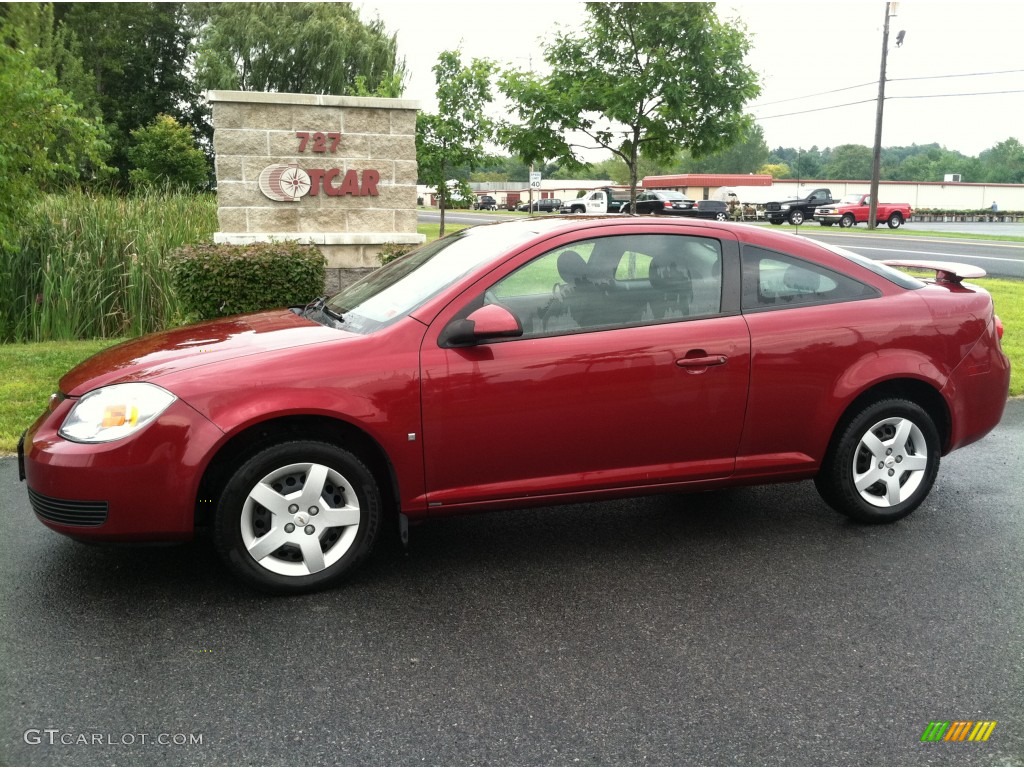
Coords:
547,205
485,203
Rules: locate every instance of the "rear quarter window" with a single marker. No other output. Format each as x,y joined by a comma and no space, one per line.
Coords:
773,280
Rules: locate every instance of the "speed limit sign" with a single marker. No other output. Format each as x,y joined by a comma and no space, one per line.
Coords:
535,180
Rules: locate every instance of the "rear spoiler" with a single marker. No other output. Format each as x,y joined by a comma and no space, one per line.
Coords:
945,271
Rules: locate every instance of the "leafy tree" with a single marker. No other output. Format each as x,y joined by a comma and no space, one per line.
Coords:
1003,163
849,161
165,153
456,134
644,79
136,56
776,170
745,156
45,141
298,48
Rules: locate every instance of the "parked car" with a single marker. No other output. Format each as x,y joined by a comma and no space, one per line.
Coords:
600,200
485,203
547,205
798,210
713,209
523,363
662,202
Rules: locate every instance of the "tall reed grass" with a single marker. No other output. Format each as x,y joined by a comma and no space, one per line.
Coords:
94,266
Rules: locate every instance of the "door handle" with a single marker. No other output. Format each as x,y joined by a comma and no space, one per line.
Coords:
701,362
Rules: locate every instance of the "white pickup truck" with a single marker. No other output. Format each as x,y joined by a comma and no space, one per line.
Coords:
603,200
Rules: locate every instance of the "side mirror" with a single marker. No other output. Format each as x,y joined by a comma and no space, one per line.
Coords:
492,321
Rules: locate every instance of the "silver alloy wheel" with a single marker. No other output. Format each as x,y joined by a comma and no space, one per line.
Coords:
890,462
300,519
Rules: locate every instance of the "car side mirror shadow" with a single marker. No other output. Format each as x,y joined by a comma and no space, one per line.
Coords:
491,321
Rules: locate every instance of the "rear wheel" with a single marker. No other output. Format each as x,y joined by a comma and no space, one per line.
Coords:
882,463
847,220
721,216
895,221
297,516
776,222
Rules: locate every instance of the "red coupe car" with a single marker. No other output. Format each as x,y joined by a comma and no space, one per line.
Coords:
523,363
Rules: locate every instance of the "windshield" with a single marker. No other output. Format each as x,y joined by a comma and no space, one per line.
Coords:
901,279
672,196
850,200
400,286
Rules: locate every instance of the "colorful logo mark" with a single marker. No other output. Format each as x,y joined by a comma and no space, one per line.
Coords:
958,730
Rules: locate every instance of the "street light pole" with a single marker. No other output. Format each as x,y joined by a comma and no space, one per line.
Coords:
876,156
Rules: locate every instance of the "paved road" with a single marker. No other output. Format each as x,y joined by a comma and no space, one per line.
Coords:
751,626
997,258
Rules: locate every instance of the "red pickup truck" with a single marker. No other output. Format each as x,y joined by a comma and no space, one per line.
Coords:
853,209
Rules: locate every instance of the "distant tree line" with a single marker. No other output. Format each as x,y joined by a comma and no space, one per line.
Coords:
1000,164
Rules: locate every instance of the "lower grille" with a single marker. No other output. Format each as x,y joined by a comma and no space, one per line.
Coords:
68,512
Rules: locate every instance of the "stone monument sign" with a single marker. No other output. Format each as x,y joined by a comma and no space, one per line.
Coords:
338,172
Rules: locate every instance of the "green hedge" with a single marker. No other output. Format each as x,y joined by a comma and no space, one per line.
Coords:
219,280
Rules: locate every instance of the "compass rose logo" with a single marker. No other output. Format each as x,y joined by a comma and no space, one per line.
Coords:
284,183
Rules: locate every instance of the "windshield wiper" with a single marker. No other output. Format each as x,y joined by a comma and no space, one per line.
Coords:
320,305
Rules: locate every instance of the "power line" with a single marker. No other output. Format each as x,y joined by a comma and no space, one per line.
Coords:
971,74
812,95
950,95
819,109
889,98
874,82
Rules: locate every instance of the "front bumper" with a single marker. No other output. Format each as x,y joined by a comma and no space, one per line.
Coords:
141,488
828,218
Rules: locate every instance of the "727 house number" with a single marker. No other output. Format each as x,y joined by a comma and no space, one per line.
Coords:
322,142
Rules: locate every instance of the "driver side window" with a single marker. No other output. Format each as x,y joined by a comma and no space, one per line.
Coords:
614,282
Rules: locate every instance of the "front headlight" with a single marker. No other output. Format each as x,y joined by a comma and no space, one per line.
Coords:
785,206
114,412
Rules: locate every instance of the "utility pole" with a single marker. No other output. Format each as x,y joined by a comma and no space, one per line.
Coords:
876,157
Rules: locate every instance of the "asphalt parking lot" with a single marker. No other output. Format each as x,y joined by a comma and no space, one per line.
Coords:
750,626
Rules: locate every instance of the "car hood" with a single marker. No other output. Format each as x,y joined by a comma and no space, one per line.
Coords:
158,354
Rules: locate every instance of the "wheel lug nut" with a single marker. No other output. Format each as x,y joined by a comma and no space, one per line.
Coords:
288,528
293,508
899,459
313,510
888,451
881,465
310,530
892,472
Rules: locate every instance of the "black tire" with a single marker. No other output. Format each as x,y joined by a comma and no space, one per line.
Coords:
896,220
891,449
796,218
279,476
826,223
720,216
847,221
776,222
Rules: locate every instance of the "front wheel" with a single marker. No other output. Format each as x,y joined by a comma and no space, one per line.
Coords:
847,221
297,516
796,218
895,221
882,464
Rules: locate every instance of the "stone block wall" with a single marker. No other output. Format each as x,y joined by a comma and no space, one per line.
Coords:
337,203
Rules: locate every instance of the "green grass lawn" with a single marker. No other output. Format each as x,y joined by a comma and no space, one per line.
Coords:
884,231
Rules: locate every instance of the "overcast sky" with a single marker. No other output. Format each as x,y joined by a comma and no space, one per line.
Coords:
799,49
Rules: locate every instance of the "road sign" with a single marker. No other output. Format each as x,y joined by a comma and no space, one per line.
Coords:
534,179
